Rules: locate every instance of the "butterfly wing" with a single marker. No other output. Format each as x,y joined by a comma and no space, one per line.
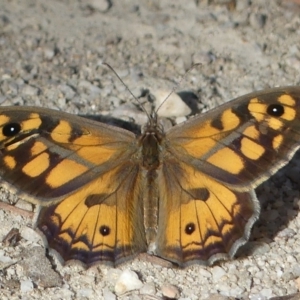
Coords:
83,175
211,165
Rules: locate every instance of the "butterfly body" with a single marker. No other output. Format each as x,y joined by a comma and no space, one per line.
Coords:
185,194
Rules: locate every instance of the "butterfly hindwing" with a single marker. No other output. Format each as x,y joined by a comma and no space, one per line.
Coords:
100,223
206,220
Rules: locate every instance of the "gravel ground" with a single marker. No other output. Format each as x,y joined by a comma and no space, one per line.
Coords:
51,55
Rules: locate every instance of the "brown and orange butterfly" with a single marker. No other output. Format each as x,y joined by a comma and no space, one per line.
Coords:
186,195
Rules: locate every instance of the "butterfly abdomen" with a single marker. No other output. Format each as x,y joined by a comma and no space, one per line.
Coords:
150,162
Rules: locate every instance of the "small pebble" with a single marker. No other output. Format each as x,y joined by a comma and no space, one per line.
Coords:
5,259
203,272
49,52
113,275
170,105
128,281
266,293
108,295
29,90
67,90
148,289
26,286
85,293
170,291
88,88
217,273
30,234
296,271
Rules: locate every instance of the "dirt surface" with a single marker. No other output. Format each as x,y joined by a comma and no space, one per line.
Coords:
51,56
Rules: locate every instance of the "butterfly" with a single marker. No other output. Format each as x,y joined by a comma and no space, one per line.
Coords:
185,194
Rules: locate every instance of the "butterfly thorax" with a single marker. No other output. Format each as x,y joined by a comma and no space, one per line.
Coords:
150,142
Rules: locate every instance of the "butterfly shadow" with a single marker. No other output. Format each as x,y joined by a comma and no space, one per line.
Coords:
130,126
188,97
279,199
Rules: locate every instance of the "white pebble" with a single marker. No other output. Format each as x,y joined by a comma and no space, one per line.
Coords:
49,53
85,293
257,297
26,286
204,273
5,259
68,92
128,281
108,295
266,293
89,88
30,234
170,106
148,289
217,273
29,90
296,270
179,120
113,275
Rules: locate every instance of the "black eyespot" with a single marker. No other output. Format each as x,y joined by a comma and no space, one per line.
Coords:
104,230
11,129
190,228
275,110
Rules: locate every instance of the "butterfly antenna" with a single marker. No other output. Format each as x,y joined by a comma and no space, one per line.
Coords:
178,84
127,88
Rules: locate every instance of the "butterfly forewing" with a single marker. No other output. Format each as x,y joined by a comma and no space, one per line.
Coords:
52,155
246,141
